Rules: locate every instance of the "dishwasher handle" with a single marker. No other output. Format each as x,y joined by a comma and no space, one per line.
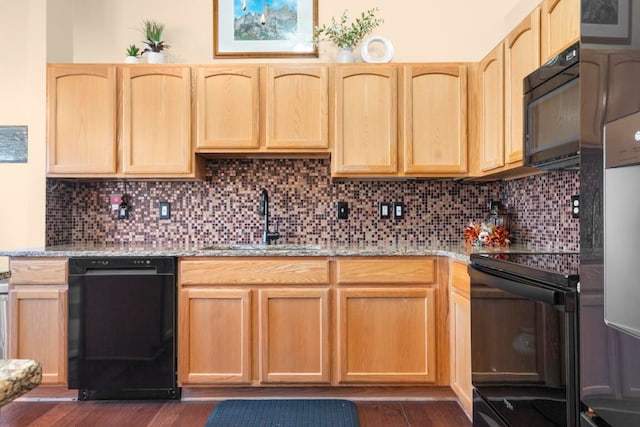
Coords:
120,271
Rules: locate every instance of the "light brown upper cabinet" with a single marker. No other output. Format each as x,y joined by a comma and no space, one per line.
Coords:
147,134
365,122
262,108
433,112
491,110
521,57
227,100
81,110
394,121
297,107
156,120
560,26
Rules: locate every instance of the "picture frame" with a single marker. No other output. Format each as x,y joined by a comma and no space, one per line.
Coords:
607,22
263,29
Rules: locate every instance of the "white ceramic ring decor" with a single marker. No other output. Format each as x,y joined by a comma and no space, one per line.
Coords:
388,50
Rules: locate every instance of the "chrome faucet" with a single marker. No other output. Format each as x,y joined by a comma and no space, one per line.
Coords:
267,236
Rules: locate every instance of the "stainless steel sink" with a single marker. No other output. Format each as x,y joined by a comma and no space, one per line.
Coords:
270,248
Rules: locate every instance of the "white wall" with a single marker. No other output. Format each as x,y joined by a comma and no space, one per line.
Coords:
23,89
454,30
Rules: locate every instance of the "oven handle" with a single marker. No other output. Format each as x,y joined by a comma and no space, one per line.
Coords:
532,291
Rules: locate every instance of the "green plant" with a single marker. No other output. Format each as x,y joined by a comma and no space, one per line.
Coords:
345,34
153,32
133,50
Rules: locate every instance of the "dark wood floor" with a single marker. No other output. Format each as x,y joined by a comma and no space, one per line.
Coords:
101,413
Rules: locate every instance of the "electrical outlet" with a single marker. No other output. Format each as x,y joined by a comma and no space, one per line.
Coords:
114,201
384,209
165,210
343,210
575,206
398,210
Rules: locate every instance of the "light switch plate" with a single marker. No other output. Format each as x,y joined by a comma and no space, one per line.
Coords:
343,210
165,210
384,209
398,210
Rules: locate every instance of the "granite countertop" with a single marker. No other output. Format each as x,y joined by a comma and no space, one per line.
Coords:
458,252
18,376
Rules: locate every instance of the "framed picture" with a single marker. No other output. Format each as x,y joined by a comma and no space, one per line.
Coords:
264,28
606,21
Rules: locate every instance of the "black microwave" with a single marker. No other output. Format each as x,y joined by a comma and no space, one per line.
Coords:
552,113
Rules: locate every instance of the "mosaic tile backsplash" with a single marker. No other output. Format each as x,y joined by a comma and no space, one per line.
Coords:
224,208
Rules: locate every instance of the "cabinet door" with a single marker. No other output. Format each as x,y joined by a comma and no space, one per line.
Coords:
81,120
491,110
297,107
521,57
365,141
560,26
38,329
214,336
294,322
622,99
434,119
460,334
386,335
460,312
156,120
227,107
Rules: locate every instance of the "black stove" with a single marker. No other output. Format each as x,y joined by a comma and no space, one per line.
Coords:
523,338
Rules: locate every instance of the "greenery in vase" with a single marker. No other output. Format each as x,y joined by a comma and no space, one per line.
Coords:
153,32
345,34
133,50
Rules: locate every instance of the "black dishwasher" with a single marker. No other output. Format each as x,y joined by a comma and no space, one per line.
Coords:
122,328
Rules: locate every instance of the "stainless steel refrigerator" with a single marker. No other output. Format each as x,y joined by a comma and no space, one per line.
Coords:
609,298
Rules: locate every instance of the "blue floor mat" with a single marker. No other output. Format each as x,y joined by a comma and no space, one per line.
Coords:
284,413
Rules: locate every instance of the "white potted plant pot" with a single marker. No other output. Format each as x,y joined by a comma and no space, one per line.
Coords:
155,57
131,60
345,55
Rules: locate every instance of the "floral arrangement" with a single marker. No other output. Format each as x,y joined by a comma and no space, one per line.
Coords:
347,35
486,234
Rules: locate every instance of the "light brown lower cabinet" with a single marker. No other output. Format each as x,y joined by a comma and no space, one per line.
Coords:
386,335
38,315
214,339
460,334
253,321
308,320
294,336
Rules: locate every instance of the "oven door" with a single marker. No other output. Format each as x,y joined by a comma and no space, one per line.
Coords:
523,351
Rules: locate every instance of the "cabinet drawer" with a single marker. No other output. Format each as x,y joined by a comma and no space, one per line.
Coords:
254,271
386,270
460,281
38,271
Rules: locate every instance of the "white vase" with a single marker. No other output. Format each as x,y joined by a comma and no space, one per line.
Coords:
345,55
155,57
131,60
